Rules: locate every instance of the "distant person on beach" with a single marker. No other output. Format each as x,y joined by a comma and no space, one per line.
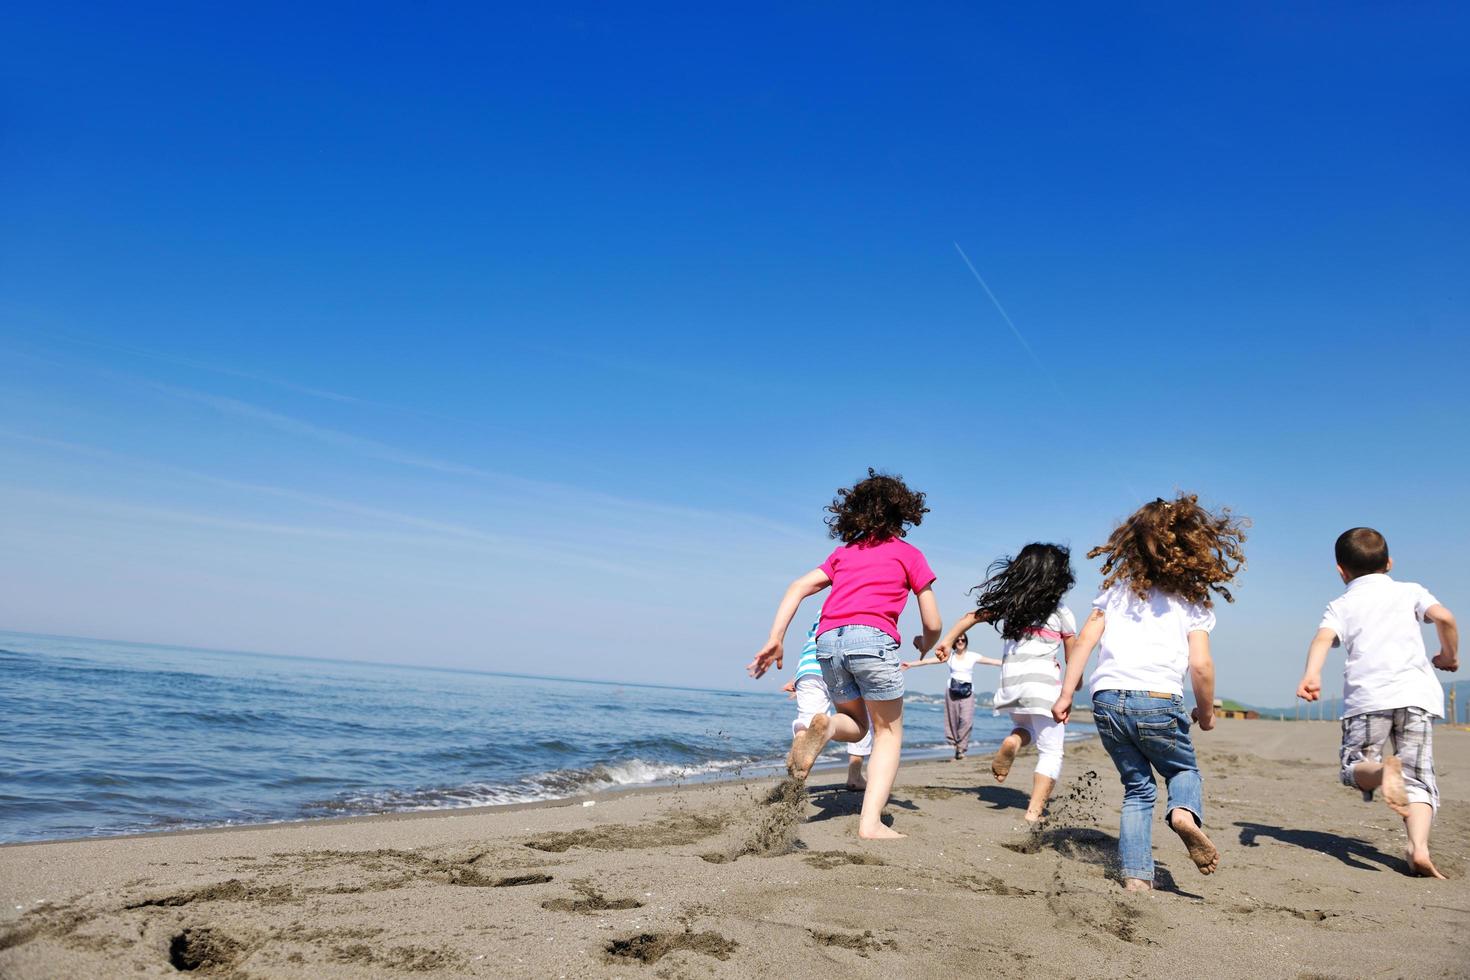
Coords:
1153,619
1389,691
1022,599
871,576
812,699
959,698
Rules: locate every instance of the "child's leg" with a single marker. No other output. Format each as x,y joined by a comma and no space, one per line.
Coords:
1019,738
857,754
1164,738
1050,737
1135,831
811,728
887,720
1413,736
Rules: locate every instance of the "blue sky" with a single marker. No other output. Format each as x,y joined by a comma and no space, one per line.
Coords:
537,339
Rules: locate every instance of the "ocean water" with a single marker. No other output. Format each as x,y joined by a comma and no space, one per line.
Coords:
100,738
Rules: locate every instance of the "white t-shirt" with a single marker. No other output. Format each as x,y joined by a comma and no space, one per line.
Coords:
1031,669
1377,622
962,666
1145,642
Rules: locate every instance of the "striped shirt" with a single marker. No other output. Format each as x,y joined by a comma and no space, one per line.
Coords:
807,665
1030,668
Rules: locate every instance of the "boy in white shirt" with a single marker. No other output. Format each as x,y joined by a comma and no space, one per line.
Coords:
1389,689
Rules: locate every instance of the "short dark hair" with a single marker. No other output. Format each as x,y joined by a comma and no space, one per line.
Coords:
1362,551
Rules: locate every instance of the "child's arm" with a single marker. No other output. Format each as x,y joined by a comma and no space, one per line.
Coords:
941,650
811,583
1202,674
921,662
1449,637
1310,689
929,617
1078,653
990,661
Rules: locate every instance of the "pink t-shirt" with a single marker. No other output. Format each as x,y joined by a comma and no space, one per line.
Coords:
871,584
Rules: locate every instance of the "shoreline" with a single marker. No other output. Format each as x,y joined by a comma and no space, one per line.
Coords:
661,786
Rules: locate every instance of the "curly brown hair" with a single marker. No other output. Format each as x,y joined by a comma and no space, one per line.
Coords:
1175,546
875,509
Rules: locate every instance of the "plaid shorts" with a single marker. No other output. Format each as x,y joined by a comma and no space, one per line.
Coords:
1412,731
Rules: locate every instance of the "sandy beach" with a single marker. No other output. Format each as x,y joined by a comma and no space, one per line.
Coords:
742,879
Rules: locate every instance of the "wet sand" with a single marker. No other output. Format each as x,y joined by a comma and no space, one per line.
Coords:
735,880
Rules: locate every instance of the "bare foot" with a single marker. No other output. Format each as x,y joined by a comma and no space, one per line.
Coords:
857,785
1034,819
1000,766
1421,866
1201,851
806,746
1137,885
881,832
1394,793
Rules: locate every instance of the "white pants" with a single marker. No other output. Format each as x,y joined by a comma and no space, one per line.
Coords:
1049,736
812,700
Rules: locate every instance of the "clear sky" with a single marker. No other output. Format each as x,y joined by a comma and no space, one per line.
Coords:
536,338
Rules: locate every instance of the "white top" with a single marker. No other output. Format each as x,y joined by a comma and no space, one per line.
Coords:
962,666
1377,622
1145,642
1031,669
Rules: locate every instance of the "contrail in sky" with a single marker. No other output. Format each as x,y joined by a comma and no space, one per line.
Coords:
1004,315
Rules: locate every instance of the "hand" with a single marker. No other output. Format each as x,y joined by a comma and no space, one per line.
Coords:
1062,710
1205,721
941,651
919,646
770,653
790,688
1446,661
904,665
1310,689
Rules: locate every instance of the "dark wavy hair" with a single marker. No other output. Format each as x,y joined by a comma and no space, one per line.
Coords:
875,509
1175,546
1022,592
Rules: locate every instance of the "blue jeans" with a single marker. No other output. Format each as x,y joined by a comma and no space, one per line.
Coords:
1144,734
860,662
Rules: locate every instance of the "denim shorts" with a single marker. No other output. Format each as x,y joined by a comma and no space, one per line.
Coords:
860,662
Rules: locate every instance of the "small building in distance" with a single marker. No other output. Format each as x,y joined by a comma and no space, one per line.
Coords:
1226,708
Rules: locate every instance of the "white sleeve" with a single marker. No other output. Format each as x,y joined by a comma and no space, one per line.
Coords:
1332,621
1423,599
1066,621
1198,617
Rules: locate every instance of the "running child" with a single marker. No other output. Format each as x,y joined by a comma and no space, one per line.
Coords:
959,698
1022,599
1153,619
1389,691
812,699
871,576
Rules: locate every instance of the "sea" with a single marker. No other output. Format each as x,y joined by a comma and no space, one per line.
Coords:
100,738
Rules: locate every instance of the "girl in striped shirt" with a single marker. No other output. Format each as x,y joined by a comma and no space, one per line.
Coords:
1022,600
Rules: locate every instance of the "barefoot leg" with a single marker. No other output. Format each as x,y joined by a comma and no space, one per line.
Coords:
1041,787
1394,792
807,745
1005,757
1201,851
856,783
887,720
1417,823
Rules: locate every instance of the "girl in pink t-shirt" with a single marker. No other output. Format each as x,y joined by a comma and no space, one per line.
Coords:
871,577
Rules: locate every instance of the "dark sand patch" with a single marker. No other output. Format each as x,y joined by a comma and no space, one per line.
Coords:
592,900
773,831
991,885
862,944
649,947
408,959
827,860
233,890
680,828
